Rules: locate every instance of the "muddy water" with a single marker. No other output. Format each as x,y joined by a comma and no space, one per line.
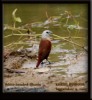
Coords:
63,62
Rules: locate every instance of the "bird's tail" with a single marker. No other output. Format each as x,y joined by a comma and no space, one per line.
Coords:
38,63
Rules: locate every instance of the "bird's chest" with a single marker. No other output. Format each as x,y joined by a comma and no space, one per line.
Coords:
45,43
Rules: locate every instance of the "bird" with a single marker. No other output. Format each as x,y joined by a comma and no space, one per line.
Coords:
44,47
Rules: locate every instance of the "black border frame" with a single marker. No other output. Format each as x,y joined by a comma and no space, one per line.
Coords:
52,95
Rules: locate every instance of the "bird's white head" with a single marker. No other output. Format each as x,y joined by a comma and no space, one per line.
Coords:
46,34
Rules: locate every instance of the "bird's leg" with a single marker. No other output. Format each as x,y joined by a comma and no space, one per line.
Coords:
48,62
42,63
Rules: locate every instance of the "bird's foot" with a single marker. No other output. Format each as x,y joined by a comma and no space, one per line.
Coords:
42,62
49,63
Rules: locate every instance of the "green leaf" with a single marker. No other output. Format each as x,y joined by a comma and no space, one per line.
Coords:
16,19
13,13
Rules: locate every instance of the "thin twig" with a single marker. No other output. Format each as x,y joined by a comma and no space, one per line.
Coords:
7,36
69,41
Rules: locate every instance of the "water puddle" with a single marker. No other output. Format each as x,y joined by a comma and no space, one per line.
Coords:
29,64
67,64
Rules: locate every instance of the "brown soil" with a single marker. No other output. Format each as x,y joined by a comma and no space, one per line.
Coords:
17,77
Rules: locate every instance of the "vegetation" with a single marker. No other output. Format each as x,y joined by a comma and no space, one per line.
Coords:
53,21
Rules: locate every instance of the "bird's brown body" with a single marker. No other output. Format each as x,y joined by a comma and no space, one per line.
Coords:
44,50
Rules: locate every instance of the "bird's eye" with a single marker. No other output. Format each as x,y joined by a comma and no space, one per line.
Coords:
47,32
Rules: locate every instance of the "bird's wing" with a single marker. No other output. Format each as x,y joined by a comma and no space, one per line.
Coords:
44,49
